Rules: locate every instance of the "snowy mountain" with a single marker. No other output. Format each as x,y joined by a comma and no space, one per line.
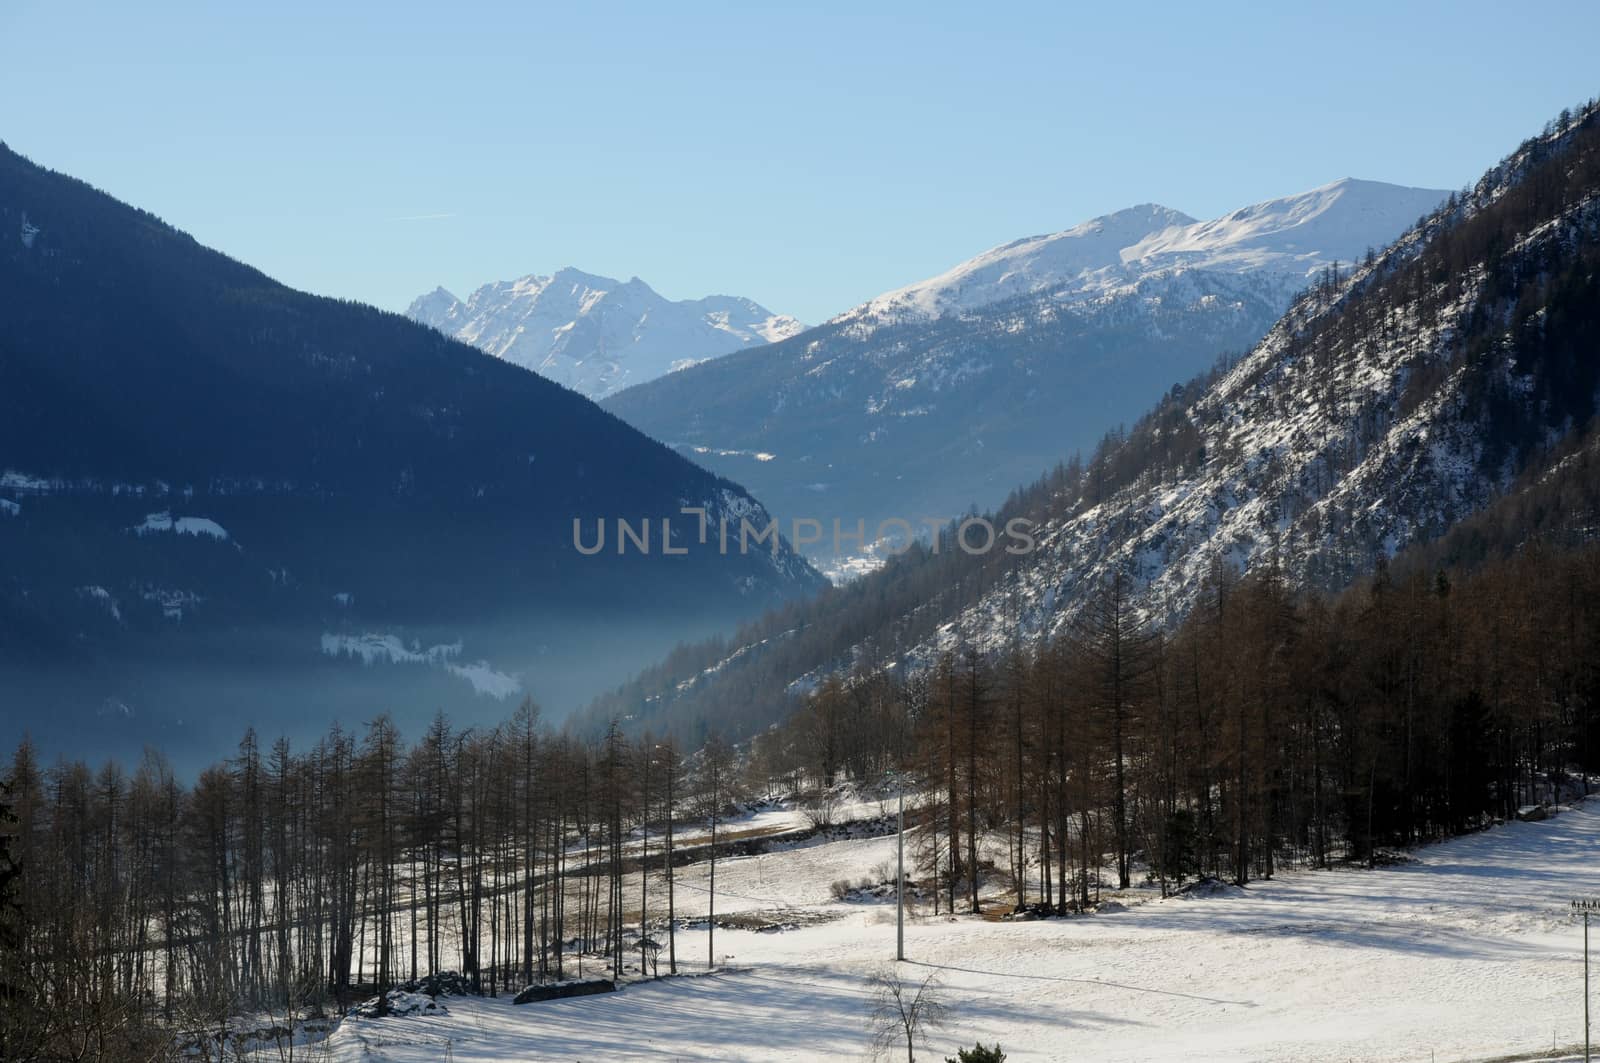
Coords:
1284,242
218,492
597,335
1389,404
950,392
1450,375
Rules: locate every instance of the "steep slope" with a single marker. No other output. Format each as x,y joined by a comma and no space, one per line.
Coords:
1385,408
597,335
217,492
947,393
1455,371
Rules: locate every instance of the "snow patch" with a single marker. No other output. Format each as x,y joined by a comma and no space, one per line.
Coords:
485,680
374,648
157,523
172,603
103,596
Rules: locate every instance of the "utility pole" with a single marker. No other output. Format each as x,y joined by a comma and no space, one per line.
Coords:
711,910
1586,906
644,864
900,879
899,866
672,912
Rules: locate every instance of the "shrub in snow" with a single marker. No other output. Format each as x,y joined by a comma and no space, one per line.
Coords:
400,1004
822,811
865,888
561,990
445,983
1207,886
903,1013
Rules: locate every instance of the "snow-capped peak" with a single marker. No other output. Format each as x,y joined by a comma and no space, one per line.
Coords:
1028,265
433,306
595,334
1287,239
1338,221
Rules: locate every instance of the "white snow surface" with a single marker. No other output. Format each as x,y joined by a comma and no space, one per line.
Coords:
377,648
1283,241
172,602
485,680
598,335
164,521
21,481
1466,953
99,594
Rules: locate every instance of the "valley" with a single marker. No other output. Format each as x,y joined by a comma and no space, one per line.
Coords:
1174,636
1462,951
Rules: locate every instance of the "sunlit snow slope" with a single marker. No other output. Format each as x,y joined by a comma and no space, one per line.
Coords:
1468,953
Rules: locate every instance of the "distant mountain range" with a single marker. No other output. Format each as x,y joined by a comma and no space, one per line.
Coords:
949,392
1431,406
597,335
1284,242
223,500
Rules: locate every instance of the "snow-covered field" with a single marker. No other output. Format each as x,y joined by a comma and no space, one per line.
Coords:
1468,953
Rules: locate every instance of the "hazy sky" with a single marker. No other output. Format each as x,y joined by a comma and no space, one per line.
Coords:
807,158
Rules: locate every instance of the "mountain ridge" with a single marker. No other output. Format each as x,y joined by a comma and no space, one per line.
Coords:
1102,256
597,334
1433,382
208,479
945,394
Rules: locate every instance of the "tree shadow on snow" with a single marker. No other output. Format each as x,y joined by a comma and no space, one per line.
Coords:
1089,981
809,1011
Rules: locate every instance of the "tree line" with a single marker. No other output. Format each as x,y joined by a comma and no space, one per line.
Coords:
1524,245
1269,729
139,912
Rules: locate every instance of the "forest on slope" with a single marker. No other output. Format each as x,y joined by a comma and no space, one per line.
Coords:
203,472
951,391
1390,405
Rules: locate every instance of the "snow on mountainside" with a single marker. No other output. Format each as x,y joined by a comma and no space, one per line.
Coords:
597,335
950,392
1287,240
1386,406
1394,400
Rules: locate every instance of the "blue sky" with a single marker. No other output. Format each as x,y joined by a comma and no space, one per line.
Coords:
808,158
